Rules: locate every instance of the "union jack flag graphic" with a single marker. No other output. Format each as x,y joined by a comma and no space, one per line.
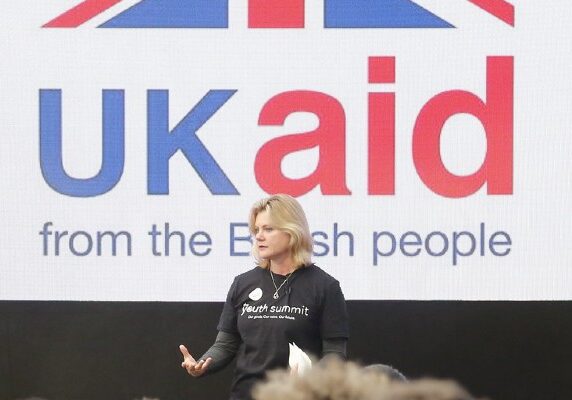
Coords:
270,14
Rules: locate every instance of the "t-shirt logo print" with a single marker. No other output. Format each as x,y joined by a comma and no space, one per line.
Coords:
256,294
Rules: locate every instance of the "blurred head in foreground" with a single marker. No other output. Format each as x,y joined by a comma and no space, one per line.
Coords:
383,369
336,380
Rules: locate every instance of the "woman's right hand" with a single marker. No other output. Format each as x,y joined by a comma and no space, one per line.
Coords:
193,367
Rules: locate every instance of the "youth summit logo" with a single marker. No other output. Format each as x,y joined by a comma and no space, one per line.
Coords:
338,14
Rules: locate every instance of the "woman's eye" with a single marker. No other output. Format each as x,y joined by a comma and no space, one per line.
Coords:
268,229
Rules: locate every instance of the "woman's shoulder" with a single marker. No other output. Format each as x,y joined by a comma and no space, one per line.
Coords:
253,273
313,271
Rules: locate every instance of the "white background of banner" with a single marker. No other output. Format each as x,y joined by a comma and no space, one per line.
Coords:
261,64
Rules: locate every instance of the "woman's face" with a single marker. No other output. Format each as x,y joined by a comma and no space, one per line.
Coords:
272,244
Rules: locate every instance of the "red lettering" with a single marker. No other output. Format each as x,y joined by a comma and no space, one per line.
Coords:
496,116
381,129
329,136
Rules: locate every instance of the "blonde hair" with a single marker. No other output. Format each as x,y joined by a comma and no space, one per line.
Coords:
334,380
337,380
288,216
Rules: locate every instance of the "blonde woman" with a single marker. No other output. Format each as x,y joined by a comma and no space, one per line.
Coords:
284,299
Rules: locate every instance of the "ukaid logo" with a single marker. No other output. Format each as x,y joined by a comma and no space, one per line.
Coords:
493,108
269,14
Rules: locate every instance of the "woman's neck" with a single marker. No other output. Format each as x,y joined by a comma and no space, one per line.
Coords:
282,267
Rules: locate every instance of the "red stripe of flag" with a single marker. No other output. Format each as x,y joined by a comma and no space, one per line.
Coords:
276,13
81,13
501,9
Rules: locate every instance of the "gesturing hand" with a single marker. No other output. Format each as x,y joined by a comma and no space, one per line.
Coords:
193,367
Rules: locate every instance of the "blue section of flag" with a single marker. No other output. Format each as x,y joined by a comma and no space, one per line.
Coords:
173,14
379,14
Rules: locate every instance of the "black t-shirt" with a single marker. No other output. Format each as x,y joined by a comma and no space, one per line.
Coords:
310,307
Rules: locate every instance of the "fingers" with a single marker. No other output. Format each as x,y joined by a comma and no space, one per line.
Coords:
198,368
203,365
189,364
184,352
193,367
207,363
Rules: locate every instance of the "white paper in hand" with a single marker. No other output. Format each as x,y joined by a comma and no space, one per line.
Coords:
299,360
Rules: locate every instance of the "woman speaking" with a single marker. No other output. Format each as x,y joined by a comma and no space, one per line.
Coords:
284,299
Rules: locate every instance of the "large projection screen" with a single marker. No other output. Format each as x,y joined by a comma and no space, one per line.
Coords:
428,141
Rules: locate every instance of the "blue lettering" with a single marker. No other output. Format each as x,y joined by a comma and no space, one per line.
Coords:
163,144
377,251
113,145
234,238
323,245
416,242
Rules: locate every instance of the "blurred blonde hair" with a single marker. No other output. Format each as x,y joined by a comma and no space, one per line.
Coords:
337,380
427,389
333,381
288,216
